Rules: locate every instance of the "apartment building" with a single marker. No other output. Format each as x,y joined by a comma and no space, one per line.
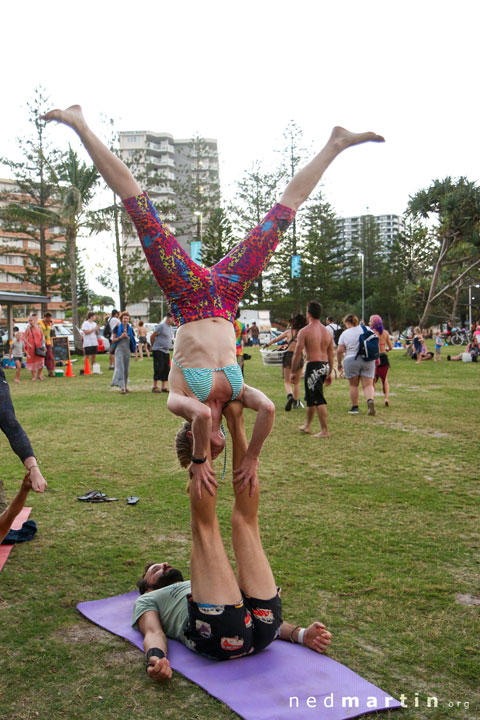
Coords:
350,228
13,259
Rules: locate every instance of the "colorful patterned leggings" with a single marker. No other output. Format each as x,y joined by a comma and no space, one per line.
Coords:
193,292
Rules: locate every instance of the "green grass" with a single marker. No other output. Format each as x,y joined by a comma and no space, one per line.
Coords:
375,531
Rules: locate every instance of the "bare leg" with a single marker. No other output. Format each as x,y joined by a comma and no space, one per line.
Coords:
286,380
212,577
18,366
254,574
368,389
304,182
322,416
306,426
115,173
353,382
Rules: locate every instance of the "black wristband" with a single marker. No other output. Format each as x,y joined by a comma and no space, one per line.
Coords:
198,461
154,652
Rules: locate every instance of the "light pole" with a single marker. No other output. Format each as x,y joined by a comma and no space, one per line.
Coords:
362,258
197,246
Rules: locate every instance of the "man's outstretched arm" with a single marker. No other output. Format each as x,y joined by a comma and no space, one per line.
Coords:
154,638
316,636
115,173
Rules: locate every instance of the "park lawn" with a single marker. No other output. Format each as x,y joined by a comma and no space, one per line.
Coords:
375,531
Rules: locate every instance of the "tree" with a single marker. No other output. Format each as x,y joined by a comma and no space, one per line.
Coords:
455,207
30,209
217,238
256,195
75,182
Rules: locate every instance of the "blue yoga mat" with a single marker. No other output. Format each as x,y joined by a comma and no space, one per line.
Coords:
283,682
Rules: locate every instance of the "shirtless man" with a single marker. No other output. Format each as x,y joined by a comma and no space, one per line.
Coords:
205,374
318,344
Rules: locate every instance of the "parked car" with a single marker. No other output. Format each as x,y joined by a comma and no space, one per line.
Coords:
103,343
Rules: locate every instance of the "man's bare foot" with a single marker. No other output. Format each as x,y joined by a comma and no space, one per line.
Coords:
305,429
344,138
323,434
317,637
72,116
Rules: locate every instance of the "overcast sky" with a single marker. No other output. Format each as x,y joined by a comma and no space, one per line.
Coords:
240,72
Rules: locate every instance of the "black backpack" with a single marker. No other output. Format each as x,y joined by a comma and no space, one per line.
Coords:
336,333
107,330
368,347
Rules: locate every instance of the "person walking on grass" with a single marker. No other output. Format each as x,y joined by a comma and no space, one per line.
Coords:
90,331
16,354
161,341
290,337
318,345
124,344
34,342
46,325
142,340
356,369
384,346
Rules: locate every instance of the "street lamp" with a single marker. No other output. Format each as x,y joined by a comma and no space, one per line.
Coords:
196,247
362,258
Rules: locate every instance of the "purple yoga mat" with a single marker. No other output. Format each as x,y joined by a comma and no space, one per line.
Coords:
284,682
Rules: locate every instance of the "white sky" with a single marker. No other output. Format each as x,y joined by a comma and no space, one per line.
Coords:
239,72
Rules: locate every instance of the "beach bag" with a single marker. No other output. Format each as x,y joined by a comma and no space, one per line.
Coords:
368,348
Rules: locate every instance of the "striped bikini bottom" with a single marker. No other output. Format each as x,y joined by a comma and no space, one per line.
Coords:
199,380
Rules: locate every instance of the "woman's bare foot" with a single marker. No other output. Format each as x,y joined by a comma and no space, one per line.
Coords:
323,434
72,116
38,481
305,429
344,138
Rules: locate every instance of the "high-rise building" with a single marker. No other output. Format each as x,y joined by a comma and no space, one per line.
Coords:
350,229
181,177
14,255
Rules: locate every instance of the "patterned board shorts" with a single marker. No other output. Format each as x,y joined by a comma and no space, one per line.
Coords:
315,374
226,632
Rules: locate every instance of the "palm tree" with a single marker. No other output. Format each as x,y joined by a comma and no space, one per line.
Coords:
75,182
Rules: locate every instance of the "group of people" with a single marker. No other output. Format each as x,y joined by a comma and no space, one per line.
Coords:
36,344
216,613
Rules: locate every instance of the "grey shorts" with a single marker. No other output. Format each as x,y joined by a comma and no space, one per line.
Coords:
358,368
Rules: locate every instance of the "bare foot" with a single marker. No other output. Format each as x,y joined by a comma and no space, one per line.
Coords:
305,429
323,434
41,378
317,637
17,381
72,116
345,138
38,481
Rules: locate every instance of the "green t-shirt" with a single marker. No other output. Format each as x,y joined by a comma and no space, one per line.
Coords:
171,605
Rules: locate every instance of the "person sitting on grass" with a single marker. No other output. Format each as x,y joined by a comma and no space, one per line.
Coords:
205,373
10,513
420,349
217,614
472,349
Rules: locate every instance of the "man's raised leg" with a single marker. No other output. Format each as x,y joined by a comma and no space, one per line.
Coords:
115,173
254,574
303,183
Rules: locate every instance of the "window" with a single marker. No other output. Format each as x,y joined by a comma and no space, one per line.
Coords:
132,138
11,260
33,245
7,278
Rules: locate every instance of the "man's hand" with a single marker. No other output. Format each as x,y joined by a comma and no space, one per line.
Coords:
317,637
328,379
159,669
294,376
203,474
38,482
247,473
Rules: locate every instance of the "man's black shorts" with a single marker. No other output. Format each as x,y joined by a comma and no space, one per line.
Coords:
225,632
315,374
161,365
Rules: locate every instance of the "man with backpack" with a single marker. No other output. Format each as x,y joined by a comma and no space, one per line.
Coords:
318,344
359,345
335,331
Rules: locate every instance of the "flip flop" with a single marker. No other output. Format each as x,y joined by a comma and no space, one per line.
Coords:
102,498
91,494
132,500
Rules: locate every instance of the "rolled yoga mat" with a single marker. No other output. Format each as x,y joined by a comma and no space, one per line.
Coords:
5,550
283,682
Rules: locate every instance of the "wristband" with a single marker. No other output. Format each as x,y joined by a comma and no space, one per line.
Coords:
300,636
198,461
154,652
297,627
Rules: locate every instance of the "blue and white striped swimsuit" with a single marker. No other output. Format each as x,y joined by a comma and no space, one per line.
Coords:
199,380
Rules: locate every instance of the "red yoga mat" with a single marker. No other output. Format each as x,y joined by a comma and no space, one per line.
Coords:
5,550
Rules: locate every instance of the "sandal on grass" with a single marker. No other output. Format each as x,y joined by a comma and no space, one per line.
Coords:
132,500
90,494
